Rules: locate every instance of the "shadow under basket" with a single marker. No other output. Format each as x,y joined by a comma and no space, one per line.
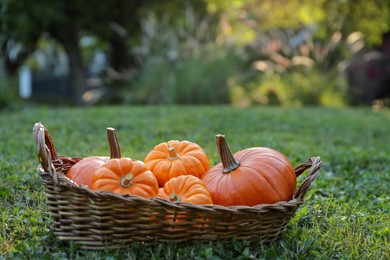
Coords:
98,220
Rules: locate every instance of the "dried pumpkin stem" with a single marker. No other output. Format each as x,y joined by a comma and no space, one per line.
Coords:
115,150
173,197
228,162
172,154
126,181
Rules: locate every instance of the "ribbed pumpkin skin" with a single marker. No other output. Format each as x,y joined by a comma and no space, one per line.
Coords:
264,176
191,160
186,188
110,178
82,171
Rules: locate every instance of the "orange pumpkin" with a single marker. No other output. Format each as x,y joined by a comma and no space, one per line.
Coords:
249,177
175,158
125,176
186,188
82,171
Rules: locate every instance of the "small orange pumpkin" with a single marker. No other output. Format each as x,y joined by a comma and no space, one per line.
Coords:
175,158
186,188
252,176
125,176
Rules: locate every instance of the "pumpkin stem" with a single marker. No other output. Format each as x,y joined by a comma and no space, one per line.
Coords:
115,150
172,154
173,197
228,162
126,181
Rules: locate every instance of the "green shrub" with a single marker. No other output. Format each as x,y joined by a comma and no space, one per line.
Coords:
183,63
302,88
196,80
291,71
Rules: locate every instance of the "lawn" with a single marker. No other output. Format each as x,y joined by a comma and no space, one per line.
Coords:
345,214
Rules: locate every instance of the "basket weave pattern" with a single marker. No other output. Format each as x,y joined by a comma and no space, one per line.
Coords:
98,220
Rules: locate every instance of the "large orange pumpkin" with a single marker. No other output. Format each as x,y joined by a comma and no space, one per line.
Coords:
125,176
249,177
82,171
175,158
186,188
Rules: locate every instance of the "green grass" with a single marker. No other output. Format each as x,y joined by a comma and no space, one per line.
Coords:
345,214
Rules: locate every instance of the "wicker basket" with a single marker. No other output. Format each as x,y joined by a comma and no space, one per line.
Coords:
98,220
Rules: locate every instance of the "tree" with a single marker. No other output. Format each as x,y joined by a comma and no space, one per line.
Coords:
113,22
23,22
20,31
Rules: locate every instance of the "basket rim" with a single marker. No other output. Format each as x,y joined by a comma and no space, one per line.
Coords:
52,166
65,182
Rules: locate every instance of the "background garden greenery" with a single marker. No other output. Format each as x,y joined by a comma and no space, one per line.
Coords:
212,51
345,214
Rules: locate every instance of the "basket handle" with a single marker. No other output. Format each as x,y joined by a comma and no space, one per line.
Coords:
46,150
315,163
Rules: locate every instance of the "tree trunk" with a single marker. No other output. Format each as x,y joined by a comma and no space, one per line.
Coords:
77,73
118,56
68,37
123,24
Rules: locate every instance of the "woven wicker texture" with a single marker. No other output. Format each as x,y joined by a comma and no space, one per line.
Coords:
100,220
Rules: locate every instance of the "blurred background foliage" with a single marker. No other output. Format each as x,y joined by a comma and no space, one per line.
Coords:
241,52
